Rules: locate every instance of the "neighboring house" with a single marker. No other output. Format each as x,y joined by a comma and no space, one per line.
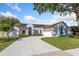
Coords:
57,29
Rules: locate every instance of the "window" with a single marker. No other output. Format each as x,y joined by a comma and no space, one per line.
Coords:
40,31
35,31
23,31
61,31
55,31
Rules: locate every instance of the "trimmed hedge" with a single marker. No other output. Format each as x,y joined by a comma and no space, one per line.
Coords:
8,39
23,35
74,36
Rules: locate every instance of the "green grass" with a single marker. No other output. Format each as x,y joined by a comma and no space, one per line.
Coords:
5,42
63,43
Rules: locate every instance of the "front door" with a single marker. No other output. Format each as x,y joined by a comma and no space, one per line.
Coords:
61,31
30,31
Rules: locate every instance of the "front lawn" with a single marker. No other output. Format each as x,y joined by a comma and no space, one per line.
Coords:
5,42
63,43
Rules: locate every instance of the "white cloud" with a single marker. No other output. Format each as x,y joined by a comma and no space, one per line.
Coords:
69,19
29,17
14,6
65,18
8,14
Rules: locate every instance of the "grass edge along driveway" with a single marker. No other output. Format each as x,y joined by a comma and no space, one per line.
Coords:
5,42
64,43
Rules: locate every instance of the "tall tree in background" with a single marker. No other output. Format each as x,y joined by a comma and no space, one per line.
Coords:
62,8
7,23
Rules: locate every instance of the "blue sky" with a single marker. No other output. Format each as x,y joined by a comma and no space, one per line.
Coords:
26,14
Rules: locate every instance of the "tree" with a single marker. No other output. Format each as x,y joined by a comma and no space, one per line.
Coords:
7,23
74,30
62,8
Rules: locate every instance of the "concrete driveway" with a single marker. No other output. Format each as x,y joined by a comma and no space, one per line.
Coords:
28,46
74,52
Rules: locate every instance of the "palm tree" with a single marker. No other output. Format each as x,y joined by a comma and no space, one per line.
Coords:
62,8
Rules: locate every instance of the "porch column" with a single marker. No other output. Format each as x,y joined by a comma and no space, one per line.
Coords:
58,30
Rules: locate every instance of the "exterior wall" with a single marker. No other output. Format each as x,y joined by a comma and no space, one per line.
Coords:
55,31
20,32
69,31
65,30
3,34
29,26
47,33
38,30
15,32
24,30
54,34
27,31
11,34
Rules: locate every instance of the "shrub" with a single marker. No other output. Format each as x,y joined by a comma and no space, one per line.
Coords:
38,34
23,35
76,36
5,39
72,36
10,38
63,36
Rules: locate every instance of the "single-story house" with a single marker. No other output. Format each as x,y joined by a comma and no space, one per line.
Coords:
57,29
